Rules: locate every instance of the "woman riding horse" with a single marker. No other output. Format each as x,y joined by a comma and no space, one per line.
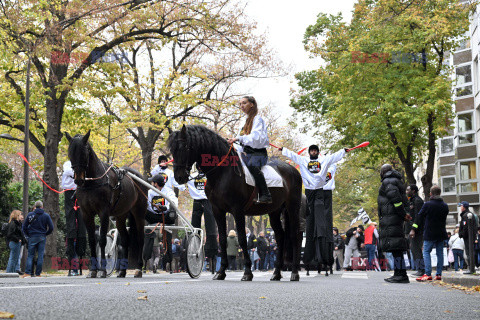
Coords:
228,191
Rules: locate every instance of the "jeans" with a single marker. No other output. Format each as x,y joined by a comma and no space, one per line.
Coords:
390,260
35,243
427,248
371,256
15,247
457,256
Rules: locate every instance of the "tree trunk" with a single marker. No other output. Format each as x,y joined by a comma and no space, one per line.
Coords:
147,151
50,198
428,176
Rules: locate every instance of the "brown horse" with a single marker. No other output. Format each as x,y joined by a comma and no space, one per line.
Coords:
104,190
227,191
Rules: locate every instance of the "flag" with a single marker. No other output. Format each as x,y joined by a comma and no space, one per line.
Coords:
362,215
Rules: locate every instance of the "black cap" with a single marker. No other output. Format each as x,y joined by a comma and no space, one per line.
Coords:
158,178
162,158
465,204
361,227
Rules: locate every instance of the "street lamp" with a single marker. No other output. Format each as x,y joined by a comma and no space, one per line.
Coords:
26,140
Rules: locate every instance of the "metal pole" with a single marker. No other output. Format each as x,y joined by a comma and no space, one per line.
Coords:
26,141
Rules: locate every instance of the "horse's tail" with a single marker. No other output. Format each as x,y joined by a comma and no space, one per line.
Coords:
289,242
133,237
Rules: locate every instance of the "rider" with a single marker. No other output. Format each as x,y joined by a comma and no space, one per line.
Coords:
162,168
158,212
254,139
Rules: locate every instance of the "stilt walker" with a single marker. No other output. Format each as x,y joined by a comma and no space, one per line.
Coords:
319,235
327,194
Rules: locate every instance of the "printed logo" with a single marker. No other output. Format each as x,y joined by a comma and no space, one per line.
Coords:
200,183
329,177
314,166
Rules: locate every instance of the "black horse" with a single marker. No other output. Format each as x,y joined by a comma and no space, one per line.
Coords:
227,191
107,191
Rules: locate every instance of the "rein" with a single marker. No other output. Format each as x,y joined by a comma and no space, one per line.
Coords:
103,175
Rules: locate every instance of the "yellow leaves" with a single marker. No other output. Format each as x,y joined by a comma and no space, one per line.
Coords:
145,298
6,315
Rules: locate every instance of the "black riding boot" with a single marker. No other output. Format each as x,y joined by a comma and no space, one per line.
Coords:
264,195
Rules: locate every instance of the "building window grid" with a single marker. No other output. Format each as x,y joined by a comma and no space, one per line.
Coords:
446,148
463,74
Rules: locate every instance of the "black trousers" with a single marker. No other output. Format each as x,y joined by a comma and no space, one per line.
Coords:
203,207
255,159
399,264
76,248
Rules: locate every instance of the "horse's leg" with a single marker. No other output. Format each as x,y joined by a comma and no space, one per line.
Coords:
276,224
123,249
140,225
242,240
221,219
90,226
102,262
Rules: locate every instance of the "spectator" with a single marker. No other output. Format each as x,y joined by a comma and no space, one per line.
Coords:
463,232
432,218
338,246
271,254
262,247
22,250
457,246
251,245
371,236
354,242
391,201
232,249
415,204
37,226
176,252
15,239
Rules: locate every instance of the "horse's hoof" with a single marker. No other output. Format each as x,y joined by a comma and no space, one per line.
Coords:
102,274
138,274
276,277
122,274
92,274
295,277
219,276
247,277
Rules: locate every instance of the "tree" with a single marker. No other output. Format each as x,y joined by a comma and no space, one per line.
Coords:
63,39
385,78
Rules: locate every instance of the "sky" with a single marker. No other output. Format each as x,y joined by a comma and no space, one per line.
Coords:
285,26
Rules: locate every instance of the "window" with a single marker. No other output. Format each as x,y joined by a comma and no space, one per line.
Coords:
468,187
465,128
464,42
464,74
446,145
448,185
467,170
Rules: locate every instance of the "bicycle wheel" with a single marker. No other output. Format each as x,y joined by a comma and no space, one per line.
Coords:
195,259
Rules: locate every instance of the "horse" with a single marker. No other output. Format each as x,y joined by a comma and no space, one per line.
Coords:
104,190
227,191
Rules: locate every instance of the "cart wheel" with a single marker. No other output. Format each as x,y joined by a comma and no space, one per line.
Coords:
110,254
195,259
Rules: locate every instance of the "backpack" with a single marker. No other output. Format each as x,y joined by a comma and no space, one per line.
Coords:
4,230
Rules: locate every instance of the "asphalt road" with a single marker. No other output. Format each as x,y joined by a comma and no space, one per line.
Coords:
353,295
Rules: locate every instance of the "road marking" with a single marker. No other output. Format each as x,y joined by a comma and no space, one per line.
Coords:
44,286
356,275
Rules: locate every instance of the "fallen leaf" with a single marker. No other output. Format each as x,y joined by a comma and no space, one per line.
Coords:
142,298
6,315
127,284
99,283
448,311
263,298
142,291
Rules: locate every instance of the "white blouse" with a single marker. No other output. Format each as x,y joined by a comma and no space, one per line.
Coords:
258,137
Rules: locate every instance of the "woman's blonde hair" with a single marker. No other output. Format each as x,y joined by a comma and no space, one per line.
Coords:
232,233
14,215
252,112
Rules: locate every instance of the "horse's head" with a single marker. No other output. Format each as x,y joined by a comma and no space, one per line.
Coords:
79,154
180,149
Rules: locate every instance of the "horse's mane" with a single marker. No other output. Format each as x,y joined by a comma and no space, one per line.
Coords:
200,139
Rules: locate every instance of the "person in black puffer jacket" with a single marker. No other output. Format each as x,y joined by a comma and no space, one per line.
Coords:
392,202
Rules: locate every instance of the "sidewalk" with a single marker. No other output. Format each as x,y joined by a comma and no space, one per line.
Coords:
466,280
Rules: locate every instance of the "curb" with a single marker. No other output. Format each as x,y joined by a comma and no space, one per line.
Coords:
9,275
471,281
